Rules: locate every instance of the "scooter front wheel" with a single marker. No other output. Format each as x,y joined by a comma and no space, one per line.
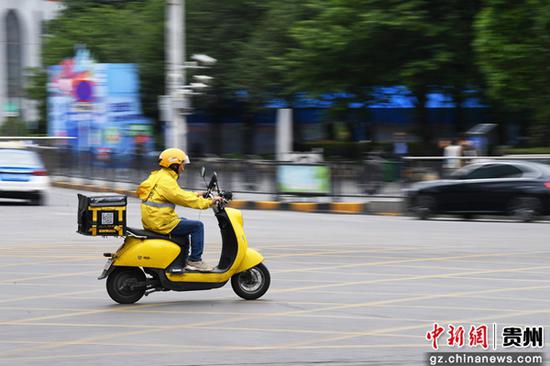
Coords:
252,283
126,285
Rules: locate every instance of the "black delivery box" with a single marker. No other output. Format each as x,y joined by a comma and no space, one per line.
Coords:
102,215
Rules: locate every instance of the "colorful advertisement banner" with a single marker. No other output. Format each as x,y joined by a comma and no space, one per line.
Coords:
99,104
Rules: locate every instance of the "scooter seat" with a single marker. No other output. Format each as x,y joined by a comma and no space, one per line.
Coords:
139,233
145,234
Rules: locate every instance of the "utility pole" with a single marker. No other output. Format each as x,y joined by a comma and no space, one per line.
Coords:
176,104
176,131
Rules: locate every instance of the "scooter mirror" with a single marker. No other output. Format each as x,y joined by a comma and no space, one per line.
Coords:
213,181
203,171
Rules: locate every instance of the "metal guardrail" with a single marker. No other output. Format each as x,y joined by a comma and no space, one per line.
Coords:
375,176
33,138
503,157
419,168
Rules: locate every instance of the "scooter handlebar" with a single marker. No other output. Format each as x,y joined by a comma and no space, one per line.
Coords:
214,189
227,195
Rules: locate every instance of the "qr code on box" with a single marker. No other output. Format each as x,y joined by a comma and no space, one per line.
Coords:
107,218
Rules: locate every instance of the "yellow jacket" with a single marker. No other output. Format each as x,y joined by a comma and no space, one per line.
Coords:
159,194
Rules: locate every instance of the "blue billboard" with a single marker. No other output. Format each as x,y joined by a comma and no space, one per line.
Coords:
98,104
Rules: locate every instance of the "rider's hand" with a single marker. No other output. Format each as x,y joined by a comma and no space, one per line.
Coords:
217,199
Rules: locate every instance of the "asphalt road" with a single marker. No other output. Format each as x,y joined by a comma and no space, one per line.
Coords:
349,290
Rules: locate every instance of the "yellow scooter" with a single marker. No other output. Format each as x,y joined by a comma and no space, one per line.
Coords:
139,266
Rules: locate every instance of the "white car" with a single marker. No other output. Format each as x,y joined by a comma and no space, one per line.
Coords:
23,176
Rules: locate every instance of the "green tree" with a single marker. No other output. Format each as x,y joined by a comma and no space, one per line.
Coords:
277,48
13,126
83,5
353,46
220,29
258,65
133,31
36,89
513,48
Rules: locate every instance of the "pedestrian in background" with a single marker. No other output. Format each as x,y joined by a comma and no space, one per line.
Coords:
451,153
400,149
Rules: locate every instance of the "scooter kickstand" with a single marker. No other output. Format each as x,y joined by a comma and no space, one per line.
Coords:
147,292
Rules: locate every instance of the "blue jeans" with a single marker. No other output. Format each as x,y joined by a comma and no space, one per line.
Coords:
196,230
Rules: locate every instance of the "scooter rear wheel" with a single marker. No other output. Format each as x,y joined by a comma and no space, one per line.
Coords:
124,285
252,283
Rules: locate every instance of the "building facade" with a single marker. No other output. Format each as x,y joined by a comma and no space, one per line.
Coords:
21,23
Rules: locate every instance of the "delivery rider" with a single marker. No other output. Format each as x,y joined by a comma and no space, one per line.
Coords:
159,195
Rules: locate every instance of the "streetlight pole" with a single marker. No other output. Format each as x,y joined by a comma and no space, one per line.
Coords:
176,133
176,104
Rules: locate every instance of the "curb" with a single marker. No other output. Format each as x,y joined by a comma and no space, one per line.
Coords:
356,208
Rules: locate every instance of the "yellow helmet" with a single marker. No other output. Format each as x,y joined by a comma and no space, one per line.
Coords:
173,156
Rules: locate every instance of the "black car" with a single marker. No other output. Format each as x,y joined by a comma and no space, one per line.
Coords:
517,188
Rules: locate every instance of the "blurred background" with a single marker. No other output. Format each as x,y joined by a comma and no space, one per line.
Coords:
324,98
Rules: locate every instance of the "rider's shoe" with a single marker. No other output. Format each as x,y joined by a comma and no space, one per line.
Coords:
178,265
175,269
198,266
